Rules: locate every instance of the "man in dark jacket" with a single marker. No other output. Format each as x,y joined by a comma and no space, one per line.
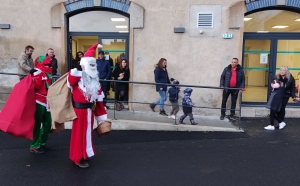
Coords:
50,53
232,77
104,70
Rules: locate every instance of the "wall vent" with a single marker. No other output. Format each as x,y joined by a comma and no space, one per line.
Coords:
205,20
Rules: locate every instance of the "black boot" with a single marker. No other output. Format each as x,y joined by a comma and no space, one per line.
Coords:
152,106
193,122
181,119
163,112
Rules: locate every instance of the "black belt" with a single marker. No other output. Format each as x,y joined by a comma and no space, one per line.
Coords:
79,105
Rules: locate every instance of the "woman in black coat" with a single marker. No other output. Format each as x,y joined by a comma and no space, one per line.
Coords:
287,81
121,73
161,76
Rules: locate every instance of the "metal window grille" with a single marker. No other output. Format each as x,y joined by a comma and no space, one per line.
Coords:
205,20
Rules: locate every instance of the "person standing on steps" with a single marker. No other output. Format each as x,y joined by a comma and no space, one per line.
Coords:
232,77
25,61
161,76
287,81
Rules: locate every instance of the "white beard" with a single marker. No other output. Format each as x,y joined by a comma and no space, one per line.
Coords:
93,72
91,85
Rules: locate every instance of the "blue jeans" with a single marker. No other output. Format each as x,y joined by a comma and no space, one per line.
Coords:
162,99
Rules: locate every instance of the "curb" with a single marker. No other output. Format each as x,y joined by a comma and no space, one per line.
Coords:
155,126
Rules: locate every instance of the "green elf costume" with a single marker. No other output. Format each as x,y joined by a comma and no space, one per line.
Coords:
42,79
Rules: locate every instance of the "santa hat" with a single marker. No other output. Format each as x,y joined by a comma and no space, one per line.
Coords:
89,55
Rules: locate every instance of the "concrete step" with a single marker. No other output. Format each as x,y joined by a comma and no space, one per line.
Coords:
138,120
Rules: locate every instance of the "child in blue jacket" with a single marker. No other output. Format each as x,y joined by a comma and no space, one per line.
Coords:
187,106
173,97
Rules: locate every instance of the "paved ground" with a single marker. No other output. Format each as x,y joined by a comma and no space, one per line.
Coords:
255,157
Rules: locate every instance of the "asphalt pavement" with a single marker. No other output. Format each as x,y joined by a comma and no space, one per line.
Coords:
154,158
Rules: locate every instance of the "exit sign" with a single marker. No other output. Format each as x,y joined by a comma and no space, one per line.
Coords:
227,36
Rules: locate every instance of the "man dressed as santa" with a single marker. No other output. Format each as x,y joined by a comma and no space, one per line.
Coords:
88,104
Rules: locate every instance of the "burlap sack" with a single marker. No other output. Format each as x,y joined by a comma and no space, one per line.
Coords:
60,101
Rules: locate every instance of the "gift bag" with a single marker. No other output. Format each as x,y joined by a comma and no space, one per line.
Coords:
17,115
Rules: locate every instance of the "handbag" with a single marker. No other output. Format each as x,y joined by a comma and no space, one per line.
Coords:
103,128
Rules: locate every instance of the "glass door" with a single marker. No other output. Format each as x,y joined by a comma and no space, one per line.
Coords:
257,67
115,51
288,54
115,47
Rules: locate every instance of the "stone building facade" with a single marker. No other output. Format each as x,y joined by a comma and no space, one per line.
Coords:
197,37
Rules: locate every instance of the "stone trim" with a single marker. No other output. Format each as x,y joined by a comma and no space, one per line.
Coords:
257,4
122,5
136,11
72,5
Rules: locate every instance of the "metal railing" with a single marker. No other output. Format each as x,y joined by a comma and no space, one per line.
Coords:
114,100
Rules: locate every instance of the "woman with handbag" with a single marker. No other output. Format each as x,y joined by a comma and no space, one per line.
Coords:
121,73
287,83
275,103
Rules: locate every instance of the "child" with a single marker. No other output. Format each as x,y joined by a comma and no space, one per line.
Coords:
173,97
187,106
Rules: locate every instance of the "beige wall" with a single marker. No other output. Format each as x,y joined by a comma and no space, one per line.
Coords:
30,25
192,59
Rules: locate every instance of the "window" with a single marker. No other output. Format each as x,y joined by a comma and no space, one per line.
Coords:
205,20
272,21
99,21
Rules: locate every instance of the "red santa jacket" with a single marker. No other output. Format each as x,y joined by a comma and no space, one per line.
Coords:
41,83
75,83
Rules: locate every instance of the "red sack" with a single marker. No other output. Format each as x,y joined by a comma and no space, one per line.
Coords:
17,115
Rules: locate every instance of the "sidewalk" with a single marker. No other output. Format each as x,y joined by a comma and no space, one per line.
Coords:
143,120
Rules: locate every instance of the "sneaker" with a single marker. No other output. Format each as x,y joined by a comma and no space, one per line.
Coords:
82,164
37,151
152,106
162,112
44,148
269,127
222,117
173,117
170,116
282,125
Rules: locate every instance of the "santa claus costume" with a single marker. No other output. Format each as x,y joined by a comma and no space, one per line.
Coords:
88,104
42,79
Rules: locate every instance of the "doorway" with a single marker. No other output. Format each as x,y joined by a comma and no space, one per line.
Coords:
271,40
108,28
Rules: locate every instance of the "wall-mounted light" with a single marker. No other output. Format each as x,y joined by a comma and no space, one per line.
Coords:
5,26
179,30
297,19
